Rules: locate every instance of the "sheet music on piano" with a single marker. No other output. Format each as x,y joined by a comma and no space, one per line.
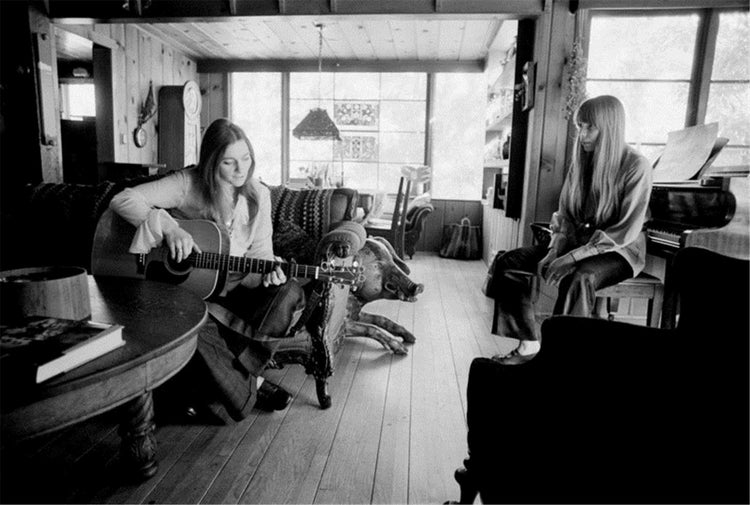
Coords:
688,153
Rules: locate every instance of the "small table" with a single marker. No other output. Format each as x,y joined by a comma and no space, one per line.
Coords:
161,324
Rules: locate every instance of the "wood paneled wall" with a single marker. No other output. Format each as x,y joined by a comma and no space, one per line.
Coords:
215,95
447,212
139,58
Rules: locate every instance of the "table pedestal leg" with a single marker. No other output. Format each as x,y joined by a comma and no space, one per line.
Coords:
138,446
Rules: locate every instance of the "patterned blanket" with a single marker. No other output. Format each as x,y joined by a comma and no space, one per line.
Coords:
309,208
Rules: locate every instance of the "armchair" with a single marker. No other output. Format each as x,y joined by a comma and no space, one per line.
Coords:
613,412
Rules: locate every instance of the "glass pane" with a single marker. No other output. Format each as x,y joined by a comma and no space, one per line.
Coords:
362,176
640,47
81,100
357,86
403,86
653,109
457,126
256,108
311,85
402,116
732,156
406,148
729,104
732,59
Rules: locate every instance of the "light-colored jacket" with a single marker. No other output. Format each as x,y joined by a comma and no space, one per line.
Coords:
623,234
145,206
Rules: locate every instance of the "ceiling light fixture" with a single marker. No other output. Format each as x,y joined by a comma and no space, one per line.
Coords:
317,125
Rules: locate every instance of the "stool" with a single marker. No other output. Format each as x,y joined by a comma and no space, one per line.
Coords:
642,286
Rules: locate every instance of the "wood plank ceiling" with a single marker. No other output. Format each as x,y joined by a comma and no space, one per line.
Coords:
392,33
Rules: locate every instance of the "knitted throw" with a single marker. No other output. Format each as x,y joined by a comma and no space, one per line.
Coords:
309,208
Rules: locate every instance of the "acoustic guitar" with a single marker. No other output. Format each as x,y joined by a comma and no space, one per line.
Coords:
203,273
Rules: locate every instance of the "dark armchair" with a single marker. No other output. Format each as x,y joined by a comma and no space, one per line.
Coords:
613,412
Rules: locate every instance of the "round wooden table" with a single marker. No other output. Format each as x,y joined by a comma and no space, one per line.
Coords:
161,324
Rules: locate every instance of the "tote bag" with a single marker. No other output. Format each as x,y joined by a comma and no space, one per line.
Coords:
461,241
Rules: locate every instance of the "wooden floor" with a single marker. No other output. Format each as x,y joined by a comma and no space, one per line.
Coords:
395,433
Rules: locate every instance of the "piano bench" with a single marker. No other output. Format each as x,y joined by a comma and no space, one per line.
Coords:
642,286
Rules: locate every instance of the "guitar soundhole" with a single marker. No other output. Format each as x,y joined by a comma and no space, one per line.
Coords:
180,268
161,272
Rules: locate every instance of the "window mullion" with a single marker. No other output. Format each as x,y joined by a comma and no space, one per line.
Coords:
703,62
285,128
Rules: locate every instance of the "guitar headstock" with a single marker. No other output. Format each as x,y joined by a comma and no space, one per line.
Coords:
350,275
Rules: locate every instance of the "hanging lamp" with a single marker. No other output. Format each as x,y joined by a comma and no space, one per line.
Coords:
317,125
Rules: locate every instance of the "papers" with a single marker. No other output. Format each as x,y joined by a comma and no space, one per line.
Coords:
686,153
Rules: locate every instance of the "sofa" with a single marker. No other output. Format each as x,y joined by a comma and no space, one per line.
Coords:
54,224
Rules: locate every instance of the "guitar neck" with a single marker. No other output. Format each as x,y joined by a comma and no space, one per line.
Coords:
241,264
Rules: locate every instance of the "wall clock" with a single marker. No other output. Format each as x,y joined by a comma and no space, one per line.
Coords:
191,100
140,137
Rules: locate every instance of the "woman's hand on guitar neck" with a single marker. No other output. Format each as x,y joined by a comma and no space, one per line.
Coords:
180,244
275,277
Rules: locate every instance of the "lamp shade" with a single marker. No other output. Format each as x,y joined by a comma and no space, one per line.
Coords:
317,125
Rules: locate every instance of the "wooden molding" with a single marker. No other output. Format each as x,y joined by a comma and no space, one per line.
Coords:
215,65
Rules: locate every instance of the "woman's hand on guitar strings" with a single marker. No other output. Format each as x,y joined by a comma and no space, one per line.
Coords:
275,277
180,244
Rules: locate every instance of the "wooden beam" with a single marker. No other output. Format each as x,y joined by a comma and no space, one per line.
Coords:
703,63
661,4
90,34
213,65
177,11
524,7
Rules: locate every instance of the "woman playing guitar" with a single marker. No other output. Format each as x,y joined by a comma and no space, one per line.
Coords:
254,309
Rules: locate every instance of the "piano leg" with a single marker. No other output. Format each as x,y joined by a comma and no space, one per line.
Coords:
669,309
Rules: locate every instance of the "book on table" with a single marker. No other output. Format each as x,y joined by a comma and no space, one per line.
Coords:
49,346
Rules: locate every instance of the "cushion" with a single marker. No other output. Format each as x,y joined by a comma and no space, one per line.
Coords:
290,241
420,200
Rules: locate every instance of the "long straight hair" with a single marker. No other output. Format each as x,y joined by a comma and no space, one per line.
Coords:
608,114
218,136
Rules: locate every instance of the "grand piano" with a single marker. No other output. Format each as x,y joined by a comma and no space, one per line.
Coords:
711,211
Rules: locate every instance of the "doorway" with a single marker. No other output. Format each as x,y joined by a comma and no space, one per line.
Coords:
84,71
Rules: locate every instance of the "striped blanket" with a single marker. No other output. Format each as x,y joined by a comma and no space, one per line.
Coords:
309,208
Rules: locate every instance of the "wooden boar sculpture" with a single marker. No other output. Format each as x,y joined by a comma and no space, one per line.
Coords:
386,276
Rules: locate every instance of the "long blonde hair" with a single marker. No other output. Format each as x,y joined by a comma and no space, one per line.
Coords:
608,114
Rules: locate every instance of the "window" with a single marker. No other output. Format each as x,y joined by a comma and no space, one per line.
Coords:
458,135
646,60
381,119
256,108
729,91
382,122
77,100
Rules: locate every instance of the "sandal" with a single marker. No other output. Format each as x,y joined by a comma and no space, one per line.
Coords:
513,358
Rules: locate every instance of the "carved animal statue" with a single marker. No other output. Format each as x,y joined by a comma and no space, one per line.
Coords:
386,276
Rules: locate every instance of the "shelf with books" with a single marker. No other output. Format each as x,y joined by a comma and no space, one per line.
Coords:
39,348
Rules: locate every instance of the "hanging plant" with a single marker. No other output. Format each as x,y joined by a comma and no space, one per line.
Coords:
575,78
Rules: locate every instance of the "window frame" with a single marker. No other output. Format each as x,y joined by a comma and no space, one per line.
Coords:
286,176
704,52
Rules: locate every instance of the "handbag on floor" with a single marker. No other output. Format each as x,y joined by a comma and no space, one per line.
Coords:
461,241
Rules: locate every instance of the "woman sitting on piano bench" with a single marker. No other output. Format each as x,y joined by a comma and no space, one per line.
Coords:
597,231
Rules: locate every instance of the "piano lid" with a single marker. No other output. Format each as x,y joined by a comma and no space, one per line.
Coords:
688,153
